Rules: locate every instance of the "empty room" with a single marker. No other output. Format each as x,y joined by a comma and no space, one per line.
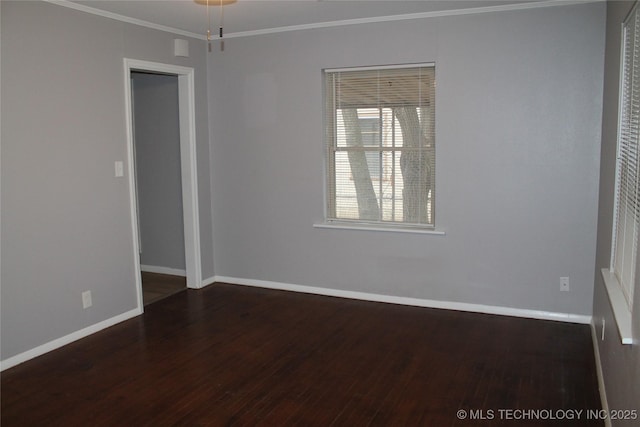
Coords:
320,212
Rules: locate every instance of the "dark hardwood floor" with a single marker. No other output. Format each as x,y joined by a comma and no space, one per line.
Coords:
156,286
233,355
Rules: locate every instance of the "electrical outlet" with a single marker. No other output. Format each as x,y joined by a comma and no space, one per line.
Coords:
86,299
564,284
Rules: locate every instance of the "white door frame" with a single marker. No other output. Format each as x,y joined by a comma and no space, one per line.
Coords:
186,101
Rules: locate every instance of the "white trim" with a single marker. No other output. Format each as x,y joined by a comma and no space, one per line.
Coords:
67,339
163,270
618,128
380,67
208,281
186,101
330,24
629,16
417,302
477,308
619,306
123,18
133,198
189,166
410,16
393,229
601,386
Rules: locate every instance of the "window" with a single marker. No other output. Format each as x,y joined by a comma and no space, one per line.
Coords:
627,214
380,139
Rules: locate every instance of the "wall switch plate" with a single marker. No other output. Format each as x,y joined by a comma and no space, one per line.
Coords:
564,284
119,169
86,299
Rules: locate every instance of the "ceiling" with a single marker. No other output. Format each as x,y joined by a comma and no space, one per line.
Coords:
245,17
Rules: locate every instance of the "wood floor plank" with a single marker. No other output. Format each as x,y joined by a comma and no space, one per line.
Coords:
240,356
156,286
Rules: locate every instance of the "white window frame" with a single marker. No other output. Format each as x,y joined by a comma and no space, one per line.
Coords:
620,277
361,224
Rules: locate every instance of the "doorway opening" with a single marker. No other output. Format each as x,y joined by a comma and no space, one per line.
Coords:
170,204
156,148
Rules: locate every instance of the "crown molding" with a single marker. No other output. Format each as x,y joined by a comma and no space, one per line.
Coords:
328,24
123,18
410,16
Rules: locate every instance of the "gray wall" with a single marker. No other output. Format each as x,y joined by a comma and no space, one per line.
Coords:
620,363
66,223
518,143
518,133
159,181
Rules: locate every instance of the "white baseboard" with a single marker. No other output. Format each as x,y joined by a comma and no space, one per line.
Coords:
601,387
448,305
163,270
67,339
206,282
365,296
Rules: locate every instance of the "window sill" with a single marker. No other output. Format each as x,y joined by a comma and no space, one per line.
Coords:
619,305
367,227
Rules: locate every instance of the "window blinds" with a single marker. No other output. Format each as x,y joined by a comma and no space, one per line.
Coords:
381,145
627,213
